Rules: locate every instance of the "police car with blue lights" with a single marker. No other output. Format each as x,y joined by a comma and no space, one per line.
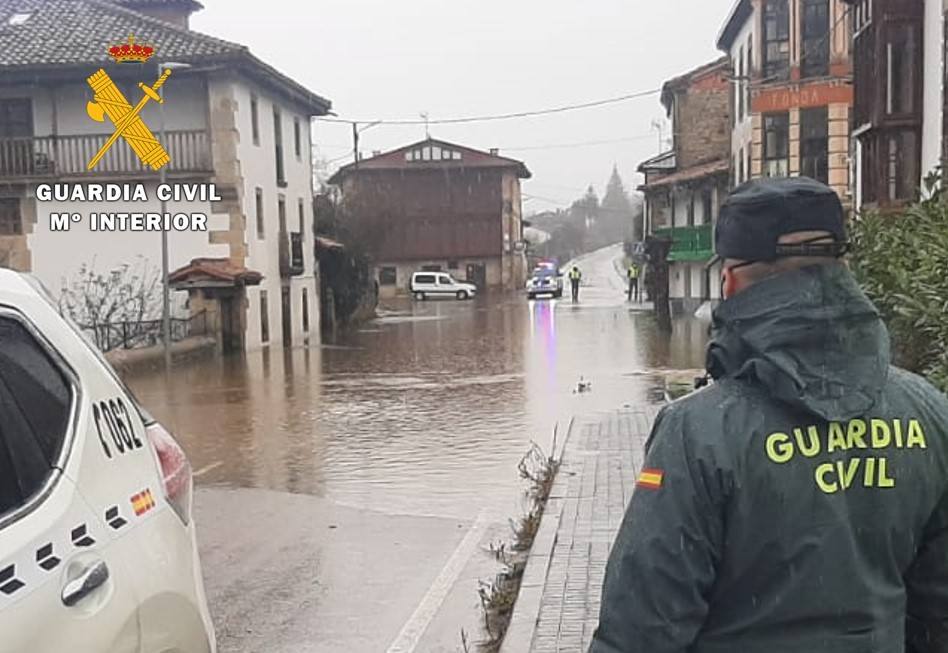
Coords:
97,543
545,280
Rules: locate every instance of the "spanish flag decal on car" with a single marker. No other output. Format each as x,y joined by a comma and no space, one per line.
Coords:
142,502
651,479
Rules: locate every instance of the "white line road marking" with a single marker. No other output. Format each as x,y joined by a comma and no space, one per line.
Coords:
207,468
415,627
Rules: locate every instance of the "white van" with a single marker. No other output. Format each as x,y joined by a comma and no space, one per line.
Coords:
440,284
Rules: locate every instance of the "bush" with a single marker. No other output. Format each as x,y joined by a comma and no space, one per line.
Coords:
901,260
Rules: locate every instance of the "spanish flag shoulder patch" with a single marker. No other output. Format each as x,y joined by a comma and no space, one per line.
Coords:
650,479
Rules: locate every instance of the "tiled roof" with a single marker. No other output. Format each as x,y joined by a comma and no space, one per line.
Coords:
219,270
470,158
52,34
63,32
191,4
700,171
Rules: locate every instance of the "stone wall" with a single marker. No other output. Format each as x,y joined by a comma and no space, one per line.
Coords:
702,123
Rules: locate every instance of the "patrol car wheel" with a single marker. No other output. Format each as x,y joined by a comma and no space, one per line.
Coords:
420,296
462,295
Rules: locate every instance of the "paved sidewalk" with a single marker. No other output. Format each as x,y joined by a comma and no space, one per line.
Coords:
558,605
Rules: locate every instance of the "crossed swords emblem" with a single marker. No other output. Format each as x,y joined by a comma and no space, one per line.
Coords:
110,102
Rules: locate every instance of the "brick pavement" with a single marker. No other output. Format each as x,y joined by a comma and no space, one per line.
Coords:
558,606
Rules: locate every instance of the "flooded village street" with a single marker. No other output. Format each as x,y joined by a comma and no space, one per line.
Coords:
347,495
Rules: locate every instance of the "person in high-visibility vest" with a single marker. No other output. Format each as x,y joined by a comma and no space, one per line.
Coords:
575,276
633,274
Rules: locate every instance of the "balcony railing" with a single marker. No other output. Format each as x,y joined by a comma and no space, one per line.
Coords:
688,243
777,167
68,156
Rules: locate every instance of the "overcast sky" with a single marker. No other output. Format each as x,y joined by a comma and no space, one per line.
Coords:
383,59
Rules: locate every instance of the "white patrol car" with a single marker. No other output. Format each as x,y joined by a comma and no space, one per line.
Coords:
97,546
545,280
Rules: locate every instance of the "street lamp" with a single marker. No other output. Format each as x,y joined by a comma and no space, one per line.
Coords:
163,177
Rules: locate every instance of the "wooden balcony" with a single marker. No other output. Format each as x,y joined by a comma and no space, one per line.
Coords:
63,157
689,243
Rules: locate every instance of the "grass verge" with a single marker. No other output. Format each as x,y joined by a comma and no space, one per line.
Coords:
498,596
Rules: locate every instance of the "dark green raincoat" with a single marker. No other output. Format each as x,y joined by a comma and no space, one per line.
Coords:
799,503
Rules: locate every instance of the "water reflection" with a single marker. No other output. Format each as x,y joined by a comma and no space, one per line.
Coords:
426,411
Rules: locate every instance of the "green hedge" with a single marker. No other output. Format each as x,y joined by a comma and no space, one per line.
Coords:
901,260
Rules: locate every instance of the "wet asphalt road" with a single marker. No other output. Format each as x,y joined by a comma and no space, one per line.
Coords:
348,494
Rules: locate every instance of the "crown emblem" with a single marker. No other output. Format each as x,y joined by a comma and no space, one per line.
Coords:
131,52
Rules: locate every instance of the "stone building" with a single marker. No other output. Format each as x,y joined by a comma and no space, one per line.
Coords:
792,91
229,119
685,186
436,206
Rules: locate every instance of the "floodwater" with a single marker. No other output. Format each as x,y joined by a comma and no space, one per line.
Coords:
427,410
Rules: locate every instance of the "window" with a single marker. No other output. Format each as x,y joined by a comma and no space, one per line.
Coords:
261,231
749,72
305,311
902,166
707,209
814,143
739,114
35,401
297,138
776,39
816,38
776,144
255,119
444,280
862,15
11,222
281,213
431,268
425,278
453,265
388,276
302,211
691,210
278,147
901,67
264,317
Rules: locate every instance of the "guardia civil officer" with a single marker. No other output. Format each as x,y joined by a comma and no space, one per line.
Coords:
797,504
633,275
575,278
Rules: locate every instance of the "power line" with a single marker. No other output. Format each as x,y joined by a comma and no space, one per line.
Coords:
502,116
574,145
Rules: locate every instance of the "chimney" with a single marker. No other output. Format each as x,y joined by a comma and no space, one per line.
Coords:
494,151
175,12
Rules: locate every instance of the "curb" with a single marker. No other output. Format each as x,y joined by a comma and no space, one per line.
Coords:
526,614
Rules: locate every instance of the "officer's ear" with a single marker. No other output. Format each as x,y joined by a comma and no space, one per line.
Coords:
731,282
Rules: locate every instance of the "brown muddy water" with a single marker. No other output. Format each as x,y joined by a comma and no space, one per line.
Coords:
427,410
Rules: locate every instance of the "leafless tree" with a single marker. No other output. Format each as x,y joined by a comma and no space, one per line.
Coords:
128,295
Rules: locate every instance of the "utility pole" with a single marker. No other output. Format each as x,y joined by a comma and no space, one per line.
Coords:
424,116
355,143
657,125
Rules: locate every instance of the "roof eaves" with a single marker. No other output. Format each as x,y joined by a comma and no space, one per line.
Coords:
739,14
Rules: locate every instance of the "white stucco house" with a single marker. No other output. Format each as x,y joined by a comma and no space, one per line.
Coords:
229,119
